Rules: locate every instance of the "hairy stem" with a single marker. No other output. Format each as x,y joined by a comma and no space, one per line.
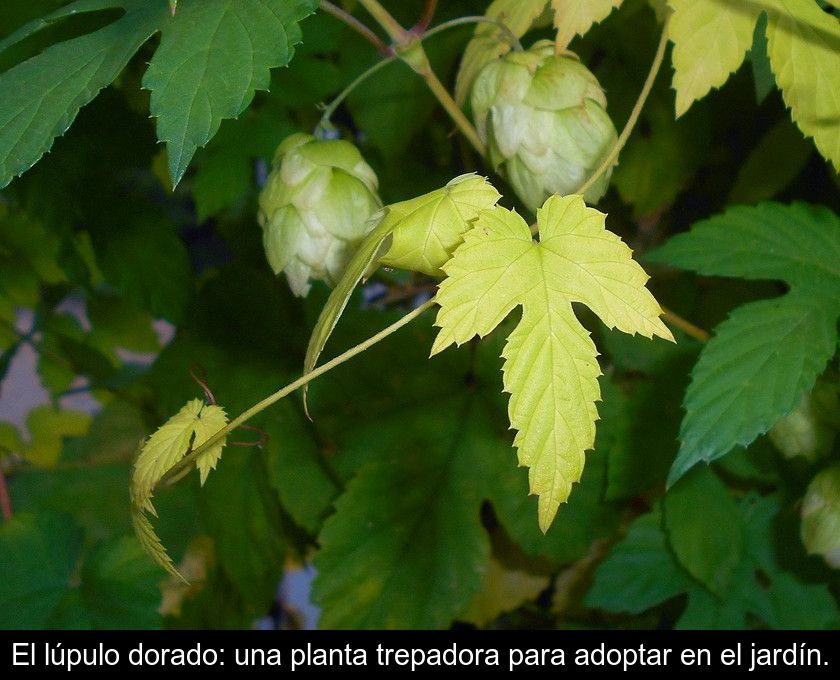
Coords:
189,459
383,17
356,25
634,115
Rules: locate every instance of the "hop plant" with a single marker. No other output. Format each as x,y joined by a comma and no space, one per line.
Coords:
314,209
820,525
543,119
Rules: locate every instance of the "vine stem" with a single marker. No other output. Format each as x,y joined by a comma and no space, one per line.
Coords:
384,18
426,17
634,114
477,19
189,459
406,44
356,25
455,113
334,104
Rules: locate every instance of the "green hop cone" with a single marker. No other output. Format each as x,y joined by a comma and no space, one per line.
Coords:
820,525
543,119
314,209
808,431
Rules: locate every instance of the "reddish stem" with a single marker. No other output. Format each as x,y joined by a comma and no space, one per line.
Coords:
5,501
360,28
425,18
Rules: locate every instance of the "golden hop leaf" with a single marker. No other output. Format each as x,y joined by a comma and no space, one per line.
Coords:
314,209
544,121
551,369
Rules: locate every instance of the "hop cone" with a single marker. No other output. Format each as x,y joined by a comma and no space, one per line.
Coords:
820,525
809,431
542,117
314,209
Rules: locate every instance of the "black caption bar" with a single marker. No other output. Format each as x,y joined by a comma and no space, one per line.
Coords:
498,652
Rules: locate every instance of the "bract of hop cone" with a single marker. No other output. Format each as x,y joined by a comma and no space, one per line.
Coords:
544,121
314,209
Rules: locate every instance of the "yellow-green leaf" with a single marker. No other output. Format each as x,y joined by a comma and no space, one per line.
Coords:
419,234
427,229
802,43
151,543
710,40
575,17
362,261
212,419
193,425
489,42
551,370
188,429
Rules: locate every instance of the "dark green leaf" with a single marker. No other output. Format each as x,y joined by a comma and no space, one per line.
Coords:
225,174
39,555
44,94
754,370
798,244
408,526
298,468
121,586
213,56
704,528
640,572
150,267
763,77
397,93
772,165
244,519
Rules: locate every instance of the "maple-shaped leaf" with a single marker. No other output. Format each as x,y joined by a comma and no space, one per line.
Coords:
188,429
551,369
711,39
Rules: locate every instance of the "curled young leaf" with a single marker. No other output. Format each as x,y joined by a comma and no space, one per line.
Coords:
188,429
